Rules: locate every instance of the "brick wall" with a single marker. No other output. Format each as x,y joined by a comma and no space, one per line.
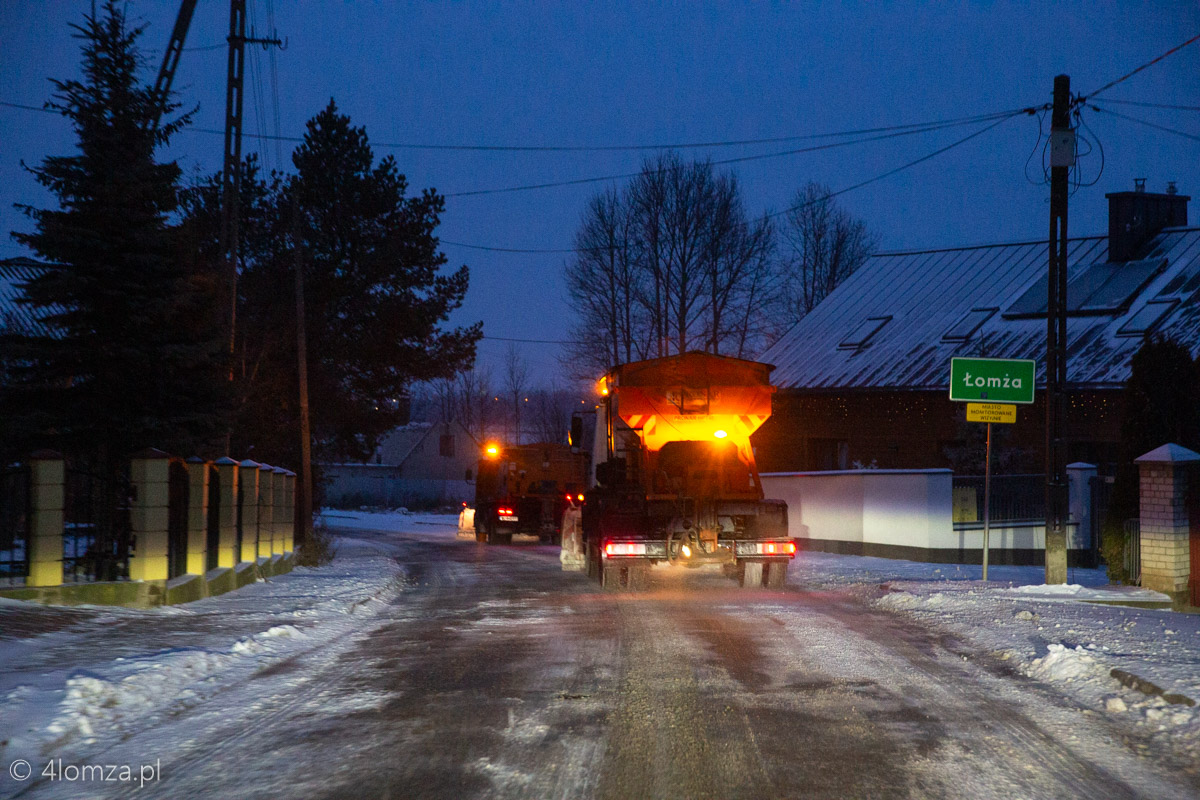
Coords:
1164,524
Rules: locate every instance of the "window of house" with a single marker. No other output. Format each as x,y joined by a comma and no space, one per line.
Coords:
467,475
1102,288
1148,317
970,322
446,445
863,333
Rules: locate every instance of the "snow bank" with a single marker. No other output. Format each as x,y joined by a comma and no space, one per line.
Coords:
1065,664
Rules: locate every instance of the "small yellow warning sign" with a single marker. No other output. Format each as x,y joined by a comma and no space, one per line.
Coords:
991,412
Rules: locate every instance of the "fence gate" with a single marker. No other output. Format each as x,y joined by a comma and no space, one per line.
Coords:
15,519
178,493
1101,487
213,532
97,537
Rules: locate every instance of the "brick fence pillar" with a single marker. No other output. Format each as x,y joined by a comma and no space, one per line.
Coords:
1164,519
197,546
149,473
47,490
248,497
228,554
266,510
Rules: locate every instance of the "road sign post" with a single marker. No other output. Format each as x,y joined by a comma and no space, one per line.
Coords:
991,388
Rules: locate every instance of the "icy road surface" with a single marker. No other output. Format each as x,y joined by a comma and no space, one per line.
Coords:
425,665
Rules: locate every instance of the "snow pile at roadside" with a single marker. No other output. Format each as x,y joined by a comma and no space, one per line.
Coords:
158,684
1064,664
68,690
1079,648
1074,591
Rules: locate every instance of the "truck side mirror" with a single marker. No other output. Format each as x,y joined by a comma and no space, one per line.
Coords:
576,436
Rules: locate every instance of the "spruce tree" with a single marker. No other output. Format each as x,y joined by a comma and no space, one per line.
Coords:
130,354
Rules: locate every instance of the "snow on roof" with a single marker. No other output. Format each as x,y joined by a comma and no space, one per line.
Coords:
928,306
14,274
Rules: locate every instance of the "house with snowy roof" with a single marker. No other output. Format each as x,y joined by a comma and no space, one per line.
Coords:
417,464
14,315
864,378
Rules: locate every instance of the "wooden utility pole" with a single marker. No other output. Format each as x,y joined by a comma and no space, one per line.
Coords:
1062,158
231,170
305,506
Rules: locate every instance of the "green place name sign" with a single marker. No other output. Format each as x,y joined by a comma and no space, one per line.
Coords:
994,380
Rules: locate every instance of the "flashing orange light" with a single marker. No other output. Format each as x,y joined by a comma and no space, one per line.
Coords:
492,450
720,434
602,386
579,497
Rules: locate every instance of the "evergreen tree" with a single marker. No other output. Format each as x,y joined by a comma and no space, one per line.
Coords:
376,297
129,355
1161,406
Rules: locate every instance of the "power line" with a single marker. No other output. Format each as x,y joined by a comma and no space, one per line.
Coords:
530,341
1184,134
1152,105
738,160
1130,74
823,198
913,126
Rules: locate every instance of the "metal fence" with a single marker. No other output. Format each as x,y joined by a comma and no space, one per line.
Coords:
97,538
15,518
1133,550
1015,498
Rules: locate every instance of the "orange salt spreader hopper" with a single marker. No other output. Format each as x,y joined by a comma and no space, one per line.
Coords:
692,397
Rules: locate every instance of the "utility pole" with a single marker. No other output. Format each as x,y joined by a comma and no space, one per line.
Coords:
231,174
305,505
1062,158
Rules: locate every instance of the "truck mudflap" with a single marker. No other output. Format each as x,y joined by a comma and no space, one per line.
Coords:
572,556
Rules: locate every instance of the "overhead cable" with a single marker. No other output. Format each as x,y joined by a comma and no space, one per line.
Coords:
1128,75
798,207
1151,105
1156,126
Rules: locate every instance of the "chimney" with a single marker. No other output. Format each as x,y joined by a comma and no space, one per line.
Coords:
1135,217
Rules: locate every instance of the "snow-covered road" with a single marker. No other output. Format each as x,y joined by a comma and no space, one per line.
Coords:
425,665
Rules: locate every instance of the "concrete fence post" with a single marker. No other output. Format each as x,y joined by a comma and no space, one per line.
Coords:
1079,504
197,546
149,476
279,483
266,509
1164,519
47,491
227,471
248,500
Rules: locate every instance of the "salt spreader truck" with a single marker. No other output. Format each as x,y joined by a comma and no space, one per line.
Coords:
525,489
674,475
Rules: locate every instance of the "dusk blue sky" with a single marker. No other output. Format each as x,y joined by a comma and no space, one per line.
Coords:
631,74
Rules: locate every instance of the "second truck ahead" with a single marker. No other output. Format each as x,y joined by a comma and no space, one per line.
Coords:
525,489
674,475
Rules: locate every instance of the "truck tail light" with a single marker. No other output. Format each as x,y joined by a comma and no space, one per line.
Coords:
625,548
784,548
504,511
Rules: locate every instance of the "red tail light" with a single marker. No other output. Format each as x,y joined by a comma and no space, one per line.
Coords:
625,549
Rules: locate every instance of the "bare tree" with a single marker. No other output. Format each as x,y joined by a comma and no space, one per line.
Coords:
550,413
516,379
665,266
475,405
823,245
